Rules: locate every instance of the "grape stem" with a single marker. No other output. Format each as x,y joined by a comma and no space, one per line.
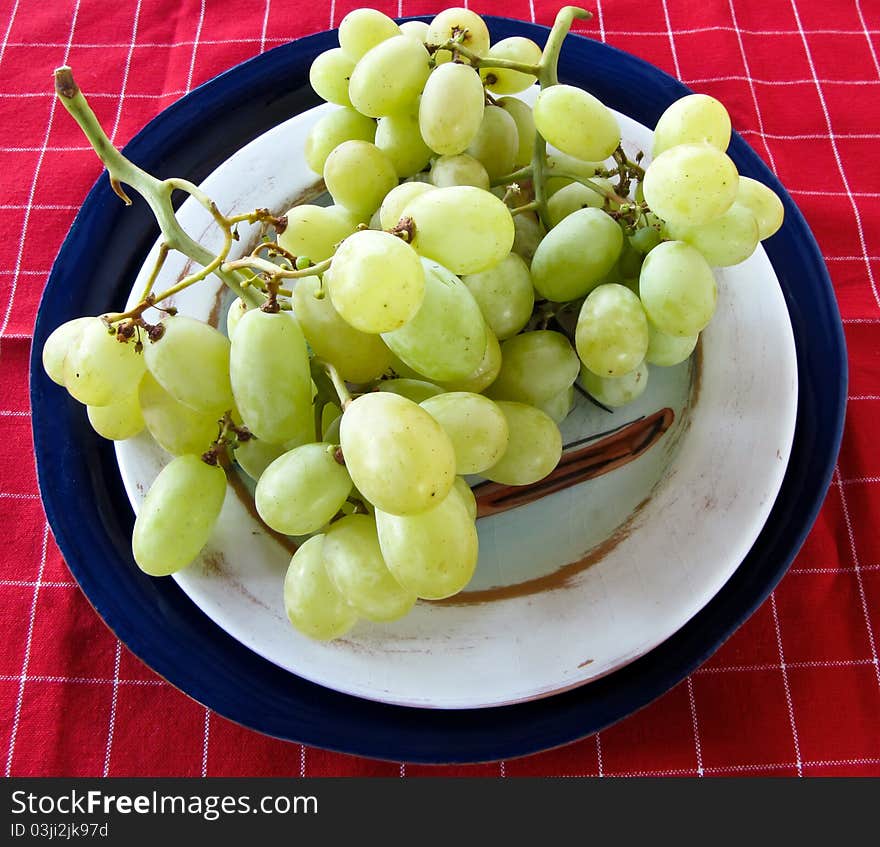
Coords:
321,367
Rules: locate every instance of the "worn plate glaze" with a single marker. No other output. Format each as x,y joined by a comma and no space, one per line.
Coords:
88,509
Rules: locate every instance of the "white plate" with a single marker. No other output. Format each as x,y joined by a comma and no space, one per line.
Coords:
575,584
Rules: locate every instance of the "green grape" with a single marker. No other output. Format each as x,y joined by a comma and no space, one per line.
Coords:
398,456
504,294
467,496
463,25
678,289
576,122
484,374
415,29
451,108
120,419
667,350
354,563
396,200
376,283
535,366
234,314
413,389
312,603
358,356
560,405
644,240
255,455
612,331
175,427
525,129
616,391
763,203
534,448
178,515
314,231
504,80
690,119
528,233
59,344
389,77
461,169
271,381
329,75
691,184
302,489
575,255
363,29
446,338
358,175
98,368
474,424
433,554
575,196
330,414
464,228
496,142
399,138
727,240
560,162
401,369
191,362
332,130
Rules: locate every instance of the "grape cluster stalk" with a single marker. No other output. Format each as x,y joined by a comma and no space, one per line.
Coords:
481,258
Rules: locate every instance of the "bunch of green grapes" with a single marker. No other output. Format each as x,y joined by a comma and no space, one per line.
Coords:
422,338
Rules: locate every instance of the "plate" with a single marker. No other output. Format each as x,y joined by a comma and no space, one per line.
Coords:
196,655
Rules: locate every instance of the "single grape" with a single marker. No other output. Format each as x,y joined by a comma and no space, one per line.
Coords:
99,367
332,130
559,162
504,80
234,314
175,427
399,138
329,76
576,122
691,184
466,27
397,199
315,231
461,169
727,240
560,405
645,239
525,128
354,563
302,489
358,175
451,108
693,118
446,338
255,455
474,424
376,283
616,391
416,390
612,331
463,228
485,372
504,294
271,381
178,515
311,600
534,447
763,204
433,554
496,142
58,345
415,29
575,255
467,496
398,456
667,350
120,419
528,233
362,29
576,196
535,366
389,77
678,289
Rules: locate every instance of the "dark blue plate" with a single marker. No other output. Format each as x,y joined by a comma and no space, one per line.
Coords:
91,518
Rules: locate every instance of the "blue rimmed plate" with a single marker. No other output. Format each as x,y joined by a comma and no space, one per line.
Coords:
159,623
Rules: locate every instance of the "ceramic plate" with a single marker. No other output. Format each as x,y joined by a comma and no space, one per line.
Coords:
667,588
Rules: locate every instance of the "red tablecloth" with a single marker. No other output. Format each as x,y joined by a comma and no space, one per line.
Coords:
796,691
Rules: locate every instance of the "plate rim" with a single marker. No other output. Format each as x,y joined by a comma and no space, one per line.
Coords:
460,736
